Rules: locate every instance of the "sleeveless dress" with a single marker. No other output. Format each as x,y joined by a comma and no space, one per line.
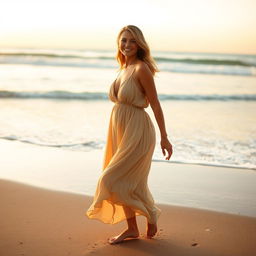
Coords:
127,159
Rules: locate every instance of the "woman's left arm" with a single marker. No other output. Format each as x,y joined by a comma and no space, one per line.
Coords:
146,80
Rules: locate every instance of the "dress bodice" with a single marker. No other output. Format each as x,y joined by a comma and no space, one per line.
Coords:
128,93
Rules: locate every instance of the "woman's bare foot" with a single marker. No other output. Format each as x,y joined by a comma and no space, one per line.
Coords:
128,233
152,229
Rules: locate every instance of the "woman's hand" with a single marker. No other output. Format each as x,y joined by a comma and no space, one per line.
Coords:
166,145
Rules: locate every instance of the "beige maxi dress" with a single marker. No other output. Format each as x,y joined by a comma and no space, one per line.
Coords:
127,159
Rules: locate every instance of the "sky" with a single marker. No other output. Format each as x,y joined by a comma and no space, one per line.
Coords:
218,26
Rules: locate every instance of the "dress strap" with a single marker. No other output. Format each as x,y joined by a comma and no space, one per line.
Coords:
133,70
131,74
122,82
118,74
121,70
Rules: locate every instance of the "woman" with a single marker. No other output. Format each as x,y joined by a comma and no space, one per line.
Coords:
122,191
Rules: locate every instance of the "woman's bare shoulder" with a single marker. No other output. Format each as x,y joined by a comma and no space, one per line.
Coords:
142,69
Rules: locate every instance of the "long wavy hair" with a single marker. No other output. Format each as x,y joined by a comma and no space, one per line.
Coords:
143,52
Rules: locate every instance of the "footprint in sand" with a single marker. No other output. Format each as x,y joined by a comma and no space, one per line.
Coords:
161,233
91,248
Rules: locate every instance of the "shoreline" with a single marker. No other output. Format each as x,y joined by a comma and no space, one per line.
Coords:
196,186
36,221
153,160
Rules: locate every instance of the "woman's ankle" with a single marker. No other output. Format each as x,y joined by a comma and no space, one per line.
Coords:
133,228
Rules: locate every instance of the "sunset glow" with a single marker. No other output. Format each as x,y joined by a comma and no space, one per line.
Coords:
197,25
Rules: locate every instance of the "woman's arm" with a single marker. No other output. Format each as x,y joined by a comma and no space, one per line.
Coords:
145,78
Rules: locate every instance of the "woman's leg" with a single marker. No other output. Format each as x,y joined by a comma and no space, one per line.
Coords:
151,230
131,232
131,221
132,224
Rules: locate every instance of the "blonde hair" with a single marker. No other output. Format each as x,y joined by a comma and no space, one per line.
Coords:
143,52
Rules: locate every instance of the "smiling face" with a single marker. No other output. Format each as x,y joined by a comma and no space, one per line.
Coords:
127,44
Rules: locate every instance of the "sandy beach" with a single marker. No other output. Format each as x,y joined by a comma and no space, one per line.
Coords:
38,221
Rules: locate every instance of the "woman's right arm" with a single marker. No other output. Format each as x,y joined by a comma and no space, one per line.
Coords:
146,80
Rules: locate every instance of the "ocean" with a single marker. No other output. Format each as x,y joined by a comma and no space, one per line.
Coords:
59,98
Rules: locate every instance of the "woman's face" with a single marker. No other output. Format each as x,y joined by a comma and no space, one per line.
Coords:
127,44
